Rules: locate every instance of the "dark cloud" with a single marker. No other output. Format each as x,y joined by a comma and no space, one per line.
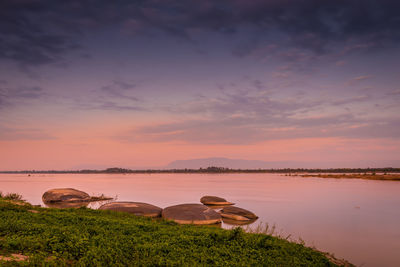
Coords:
119,89
3,102
312,23
115,96
106,104
109,105
351,100
394,93
36,32
26,92
12,95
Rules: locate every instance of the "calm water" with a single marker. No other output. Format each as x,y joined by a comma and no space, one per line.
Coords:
358,220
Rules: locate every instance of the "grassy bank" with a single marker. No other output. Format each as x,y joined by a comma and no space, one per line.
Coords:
366,176
33,236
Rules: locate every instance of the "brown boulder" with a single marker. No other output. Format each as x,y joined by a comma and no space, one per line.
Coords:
65,195
191,214
66,205
213,200
238,214
137,208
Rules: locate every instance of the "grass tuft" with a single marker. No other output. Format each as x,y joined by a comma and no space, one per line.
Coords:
11,196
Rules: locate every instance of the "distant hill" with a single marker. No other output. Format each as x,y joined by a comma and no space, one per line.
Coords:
259,164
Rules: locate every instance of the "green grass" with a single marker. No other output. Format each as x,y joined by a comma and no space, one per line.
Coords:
85,237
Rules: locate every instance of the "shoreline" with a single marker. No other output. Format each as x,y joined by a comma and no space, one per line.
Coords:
139,240
365,176
290,171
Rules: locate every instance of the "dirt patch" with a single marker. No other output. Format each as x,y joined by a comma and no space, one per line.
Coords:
17,202
14,257
33,211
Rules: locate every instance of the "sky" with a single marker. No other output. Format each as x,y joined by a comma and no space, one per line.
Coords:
138,84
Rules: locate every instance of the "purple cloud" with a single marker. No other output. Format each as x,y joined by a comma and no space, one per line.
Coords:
18,134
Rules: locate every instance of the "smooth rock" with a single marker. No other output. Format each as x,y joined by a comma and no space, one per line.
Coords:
238,214
213,200
191,214
66,205
65,195
137,208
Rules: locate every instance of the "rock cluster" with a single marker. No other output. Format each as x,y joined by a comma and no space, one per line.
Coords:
182,214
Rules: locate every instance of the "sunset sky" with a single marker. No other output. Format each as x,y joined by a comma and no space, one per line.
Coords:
138,84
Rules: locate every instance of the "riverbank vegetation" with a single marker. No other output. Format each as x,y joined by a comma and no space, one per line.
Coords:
367,176
34,236
10,196
220,170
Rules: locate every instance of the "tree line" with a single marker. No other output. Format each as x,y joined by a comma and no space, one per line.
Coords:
214,169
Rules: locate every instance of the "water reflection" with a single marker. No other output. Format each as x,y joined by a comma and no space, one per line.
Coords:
235,222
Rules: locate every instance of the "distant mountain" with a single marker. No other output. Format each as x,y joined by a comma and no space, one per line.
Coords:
259,164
